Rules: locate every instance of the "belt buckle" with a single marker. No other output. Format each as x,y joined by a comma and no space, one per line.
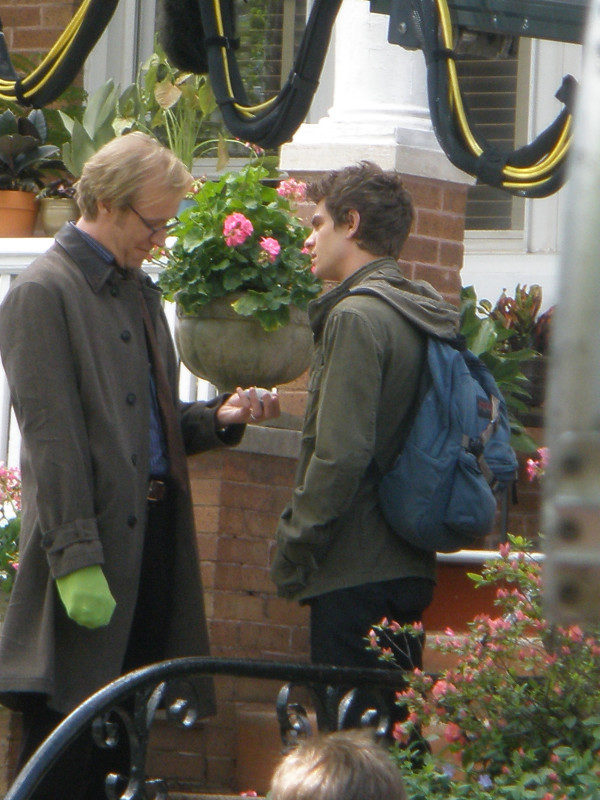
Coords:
156,490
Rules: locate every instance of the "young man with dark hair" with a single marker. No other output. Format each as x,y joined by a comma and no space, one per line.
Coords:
335,550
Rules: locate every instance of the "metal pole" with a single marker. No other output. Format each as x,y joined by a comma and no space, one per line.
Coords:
572,486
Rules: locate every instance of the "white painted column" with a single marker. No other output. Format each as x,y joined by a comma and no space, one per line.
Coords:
379,107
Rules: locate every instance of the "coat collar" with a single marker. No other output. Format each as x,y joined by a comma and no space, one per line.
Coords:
97,269
417,301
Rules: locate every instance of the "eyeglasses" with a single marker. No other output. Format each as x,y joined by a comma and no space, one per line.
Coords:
168,226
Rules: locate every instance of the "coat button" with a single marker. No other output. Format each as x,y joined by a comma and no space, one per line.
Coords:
126,336
134,459
132,520
131,398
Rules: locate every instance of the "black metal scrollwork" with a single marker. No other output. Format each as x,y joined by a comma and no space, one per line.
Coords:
125,710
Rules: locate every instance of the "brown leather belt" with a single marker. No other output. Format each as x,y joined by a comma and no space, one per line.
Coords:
157,490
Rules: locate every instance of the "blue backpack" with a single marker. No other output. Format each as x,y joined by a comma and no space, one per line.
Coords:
440,493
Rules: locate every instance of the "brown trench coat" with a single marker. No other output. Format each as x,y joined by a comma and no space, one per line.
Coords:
73,346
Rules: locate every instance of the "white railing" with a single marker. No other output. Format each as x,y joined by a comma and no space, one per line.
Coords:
15,256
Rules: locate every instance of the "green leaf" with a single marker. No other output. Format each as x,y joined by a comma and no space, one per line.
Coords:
67,121
484,339
101,109
247,304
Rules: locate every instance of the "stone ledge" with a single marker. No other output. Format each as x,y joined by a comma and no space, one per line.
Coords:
271,441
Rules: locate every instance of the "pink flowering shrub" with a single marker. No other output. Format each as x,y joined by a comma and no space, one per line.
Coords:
241,238
518,716
536,467
10,524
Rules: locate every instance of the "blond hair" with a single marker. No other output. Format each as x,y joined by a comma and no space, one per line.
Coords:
118,171
346,765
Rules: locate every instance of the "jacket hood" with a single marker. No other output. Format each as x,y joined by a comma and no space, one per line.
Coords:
417,301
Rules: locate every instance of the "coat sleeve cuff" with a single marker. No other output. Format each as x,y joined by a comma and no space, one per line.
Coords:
72,546
201,428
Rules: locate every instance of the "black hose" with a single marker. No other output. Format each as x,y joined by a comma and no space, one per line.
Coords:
488,167
279,121
35,91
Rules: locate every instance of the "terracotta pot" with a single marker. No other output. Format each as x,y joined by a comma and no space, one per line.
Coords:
55,211
18,211
456,600
229,350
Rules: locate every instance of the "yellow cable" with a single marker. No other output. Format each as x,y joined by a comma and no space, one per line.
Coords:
52,70
544,166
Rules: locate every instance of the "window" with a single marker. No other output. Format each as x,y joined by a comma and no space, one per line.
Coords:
270,31
496,92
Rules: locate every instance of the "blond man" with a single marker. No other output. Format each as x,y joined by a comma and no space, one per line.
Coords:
108,570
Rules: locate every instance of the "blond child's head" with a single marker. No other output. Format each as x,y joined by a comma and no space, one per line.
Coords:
347,765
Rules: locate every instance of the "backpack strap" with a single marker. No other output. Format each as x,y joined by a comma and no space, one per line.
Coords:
476,446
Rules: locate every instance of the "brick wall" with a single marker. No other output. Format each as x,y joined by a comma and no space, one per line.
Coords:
434,250
31,28
240,494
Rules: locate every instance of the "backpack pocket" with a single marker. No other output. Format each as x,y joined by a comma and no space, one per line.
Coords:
471,506
406,493
434,506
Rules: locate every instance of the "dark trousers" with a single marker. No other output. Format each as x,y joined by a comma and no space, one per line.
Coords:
340,621
80,772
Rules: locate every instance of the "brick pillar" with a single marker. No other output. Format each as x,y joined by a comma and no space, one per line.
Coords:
239,495
434,249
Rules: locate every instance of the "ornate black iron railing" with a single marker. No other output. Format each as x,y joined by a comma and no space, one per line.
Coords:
342,697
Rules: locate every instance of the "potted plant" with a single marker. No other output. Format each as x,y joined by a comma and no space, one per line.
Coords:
515,716
94,130
10,524
527,330
24,158
242,280
173,106
57,205
502,345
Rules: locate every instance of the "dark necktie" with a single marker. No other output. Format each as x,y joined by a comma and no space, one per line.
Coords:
175,447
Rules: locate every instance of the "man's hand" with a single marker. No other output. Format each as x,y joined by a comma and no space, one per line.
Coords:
86,596
249,405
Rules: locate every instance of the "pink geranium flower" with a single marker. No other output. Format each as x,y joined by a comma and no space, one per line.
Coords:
271,247
292,189
236,229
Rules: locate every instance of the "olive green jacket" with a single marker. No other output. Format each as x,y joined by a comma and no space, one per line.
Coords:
369,356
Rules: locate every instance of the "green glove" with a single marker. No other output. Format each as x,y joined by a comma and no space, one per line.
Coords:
86,596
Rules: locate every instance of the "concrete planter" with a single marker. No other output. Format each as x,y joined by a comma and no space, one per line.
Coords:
55,211
229,350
